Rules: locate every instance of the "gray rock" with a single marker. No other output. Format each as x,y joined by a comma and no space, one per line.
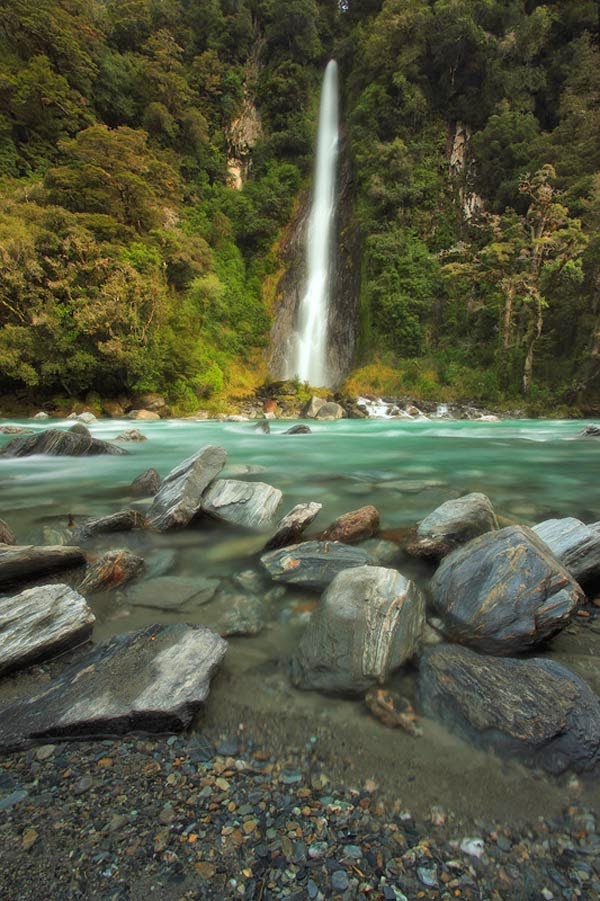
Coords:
19,562
248,504
6,534
41,415
590,431
173,592
313,564
330,411
131,435
313,406
111,570
535,709
14,430
180,496
123,521
58,443
146,415
504,592
293,525
367,624
576,545
87,417
152,680
146,484
236,613
40,622
452,524
298,430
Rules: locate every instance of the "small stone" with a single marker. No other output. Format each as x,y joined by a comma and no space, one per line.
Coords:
167,815
339,880
317,850
82,785
45,751
352,851
547,894
474,847
205,870
249,827
312,889
14,798
221,783
29,839
428,876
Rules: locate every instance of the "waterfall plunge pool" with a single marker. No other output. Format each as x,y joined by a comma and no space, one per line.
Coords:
531,470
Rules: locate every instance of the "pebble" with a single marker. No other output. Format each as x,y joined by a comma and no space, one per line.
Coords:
474,847
339,880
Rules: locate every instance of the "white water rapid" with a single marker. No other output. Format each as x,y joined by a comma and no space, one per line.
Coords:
308,354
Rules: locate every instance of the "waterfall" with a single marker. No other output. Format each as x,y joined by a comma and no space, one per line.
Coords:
308,353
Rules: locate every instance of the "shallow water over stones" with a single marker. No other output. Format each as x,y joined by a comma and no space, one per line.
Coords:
530,471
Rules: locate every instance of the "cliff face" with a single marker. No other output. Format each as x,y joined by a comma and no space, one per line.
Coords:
343,320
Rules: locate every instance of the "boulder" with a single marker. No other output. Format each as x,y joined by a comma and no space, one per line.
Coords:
130,435
19,562
453,523
152,680
298,430
535,709
173,592
58,443
293,525
353,526
41,416
6,534
40,622
86,417
156,403
330,411
504,592
313,406
123,521
590,431
576,545
248,504
146,415
113,408
146,484
111,570
313,564
14,430
180,496
367,624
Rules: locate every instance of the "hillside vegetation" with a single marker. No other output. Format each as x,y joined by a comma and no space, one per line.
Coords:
129,262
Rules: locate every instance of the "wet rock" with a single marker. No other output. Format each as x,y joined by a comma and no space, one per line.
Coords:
353,526
40,622
14,430
6,534
298,430
576,545
313,406
111,570
367,624
293,525
144,415
41,415
453,523
79,429
152,680
131,435
180,496
173,592
146,484
535,709
18,562
248,504
58,443
87,417
236,613
313,564
123,521
264,427
504,592
590,431
330,411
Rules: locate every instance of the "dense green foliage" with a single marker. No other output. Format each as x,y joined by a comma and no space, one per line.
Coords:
129,262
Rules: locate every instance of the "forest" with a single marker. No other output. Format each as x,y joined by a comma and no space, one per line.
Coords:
153,153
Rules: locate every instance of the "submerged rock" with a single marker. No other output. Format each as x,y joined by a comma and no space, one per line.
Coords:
313,564
453,523
40,622
123,521
111,570
293,525
235,612
6,534
57,443
19,562
180,496
590,431
173,592
152,680
535,709
146,484
504,592
298,430
367,624
248,504
576,545
353,526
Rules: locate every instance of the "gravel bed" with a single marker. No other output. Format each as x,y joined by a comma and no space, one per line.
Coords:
214,817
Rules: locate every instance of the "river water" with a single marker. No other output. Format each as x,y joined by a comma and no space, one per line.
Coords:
531,470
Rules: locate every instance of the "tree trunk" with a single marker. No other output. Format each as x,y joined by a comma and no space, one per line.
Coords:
509,297
535,331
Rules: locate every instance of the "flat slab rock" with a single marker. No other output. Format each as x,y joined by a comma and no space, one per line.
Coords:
179,497
453,523
248,504
21,562
504,592
576,545
173,592
292,525
152,680
40,622
58,443
367,624
123,521
313,564
535,709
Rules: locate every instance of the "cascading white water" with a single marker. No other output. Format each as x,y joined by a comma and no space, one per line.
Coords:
308,355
